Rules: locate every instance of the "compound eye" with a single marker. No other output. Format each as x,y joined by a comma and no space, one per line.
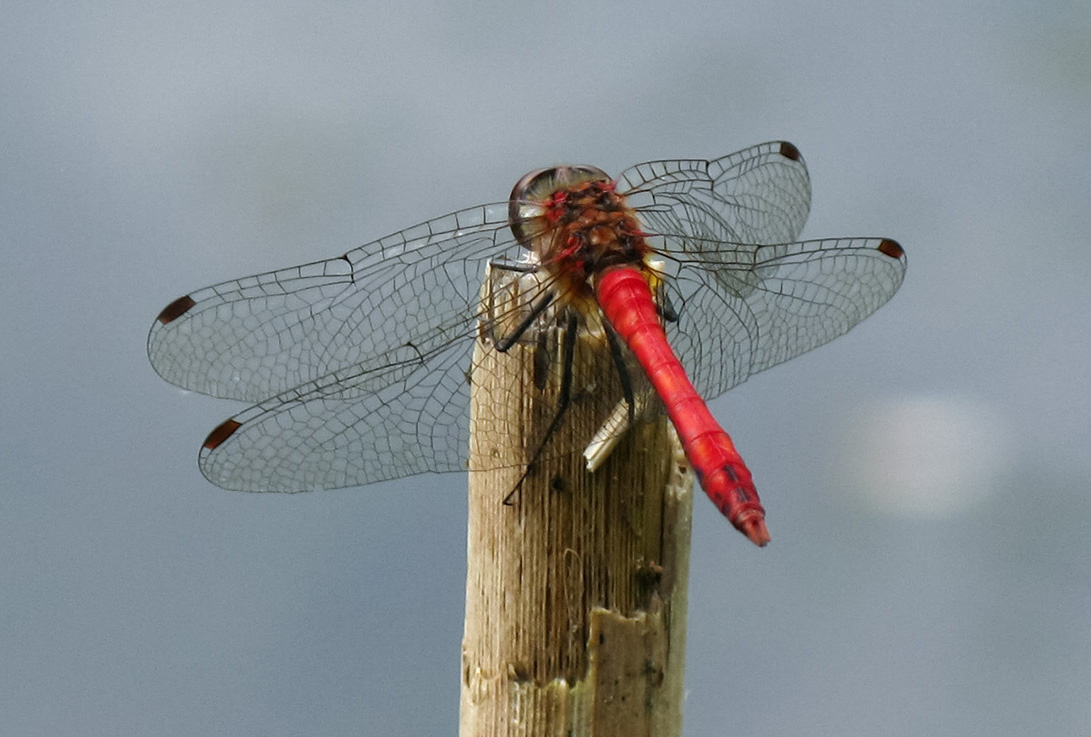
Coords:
535,187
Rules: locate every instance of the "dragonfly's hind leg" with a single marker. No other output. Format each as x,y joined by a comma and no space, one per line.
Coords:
624,378
568,351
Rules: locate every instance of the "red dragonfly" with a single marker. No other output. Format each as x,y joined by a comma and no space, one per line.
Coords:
689,269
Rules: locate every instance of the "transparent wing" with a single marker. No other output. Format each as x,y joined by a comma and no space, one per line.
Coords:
396,414
257,337
748,297
744,309
404,412
759,195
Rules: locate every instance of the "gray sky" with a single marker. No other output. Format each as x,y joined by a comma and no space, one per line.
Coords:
926,477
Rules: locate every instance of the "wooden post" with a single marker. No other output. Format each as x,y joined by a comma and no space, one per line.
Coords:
576,592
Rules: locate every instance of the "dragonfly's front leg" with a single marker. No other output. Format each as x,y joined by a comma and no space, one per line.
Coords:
513,298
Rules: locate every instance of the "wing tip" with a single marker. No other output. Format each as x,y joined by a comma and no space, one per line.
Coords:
891,248
176,309
789,151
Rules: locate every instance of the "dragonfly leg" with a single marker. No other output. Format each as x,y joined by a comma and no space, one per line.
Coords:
568,351
622,372
518,268
504,343
665,308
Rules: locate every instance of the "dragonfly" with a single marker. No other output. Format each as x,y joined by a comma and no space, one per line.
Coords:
360,368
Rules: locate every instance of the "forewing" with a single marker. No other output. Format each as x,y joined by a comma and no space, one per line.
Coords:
260,336
745,309
760,195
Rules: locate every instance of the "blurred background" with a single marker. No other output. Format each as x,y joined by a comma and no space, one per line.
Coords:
926,477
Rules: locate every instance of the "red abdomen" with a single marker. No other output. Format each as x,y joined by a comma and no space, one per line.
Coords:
626,300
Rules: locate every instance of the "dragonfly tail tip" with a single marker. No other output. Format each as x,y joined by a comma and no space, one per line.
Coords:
753,526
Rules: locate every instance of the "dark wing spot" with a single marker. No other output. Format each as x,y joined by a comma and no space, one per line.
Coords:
789,151
891,248
225,430
176,309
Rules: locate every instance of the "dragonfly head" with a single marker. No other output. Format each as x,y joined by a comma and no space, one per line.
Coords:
530,193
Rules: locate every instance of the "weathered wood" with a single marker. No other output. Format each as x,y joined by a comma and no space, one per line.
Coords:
576,592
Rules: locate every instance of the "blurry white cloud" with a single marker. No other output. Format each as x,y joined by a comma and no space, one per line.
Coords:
924,456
